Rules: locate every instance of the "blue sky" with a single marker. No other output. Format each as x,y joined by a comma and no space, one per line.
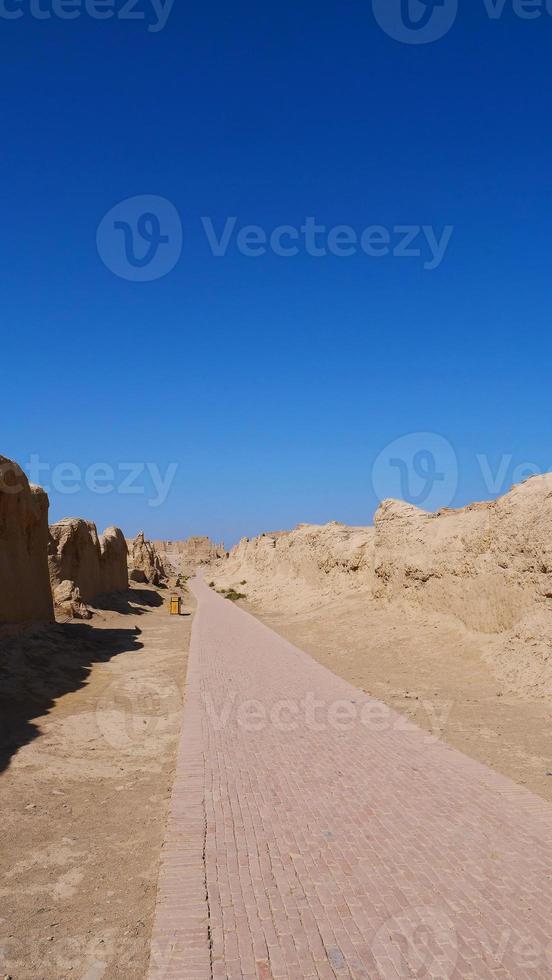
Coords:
274,383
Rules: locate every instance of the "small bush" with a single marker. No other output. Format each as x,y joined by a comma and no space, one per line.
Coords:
234,596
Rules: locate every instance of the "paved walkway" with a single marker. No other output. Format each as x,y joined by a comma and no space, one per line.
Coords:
314,833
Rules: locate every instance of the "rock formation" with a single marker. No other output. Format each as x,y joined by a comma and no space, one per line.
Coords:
84,566
25,593
74,556
145,564
68,600
113,561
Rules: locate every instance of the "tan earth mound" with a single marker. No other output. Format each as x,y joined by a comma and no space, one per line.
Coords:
489,564
299,567
145,563
84,566
24,582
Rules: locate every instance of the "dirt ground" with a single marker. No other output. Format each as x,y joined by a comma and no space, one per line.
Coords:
90,718
433,670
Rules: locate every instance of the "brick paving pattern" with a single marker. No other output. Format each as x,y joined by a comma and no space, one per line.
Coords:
315,833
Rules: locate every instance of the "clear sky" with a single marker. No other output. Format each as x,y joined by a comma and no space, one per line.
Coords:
273,382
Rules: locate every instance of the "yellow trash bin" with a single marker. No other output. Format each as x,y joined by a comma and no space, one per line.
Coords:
175,605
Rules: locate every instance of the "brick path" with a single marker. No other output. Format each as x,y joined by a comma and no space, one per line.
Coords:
336,840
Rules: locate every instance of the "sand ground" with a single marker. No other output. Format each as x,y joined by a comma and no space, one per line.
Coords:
431,669
91,714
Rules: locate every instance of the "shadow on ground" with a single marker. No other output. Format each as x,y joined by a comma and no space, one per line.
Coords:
135,601
43,663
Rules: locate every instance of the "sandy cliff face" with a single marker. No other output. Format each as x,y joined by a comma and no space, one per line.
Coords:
24,582
301,567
